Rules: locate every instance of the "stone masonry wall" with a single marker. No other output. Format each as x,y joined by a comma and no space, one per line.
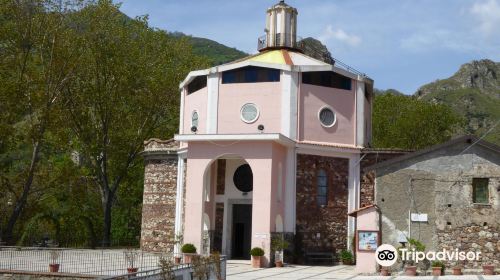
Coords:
321,228
475,238
158,209
367,189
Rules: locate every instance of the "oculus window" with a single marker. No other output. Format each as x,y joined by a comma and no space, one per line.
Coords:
480,193
327,79
322,188
197,84
243,178
249,113
250,74
327,117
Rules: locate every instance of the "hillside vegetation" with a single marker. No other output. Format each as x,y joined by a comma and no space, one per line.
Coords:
474,93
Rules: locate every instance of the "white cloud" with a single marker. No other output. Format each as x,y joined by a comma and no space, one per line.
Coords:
488,14
339,35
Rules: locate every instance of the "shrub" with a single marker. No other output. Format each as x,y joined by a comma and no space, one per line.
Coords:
257,252
437,264
188,248
346,255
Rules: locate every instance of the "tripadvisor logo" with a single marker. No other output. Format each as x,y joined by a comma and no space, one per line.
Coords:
387,255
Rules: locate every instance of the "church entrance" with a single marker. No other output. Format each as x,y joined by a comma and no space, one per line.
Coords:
242,231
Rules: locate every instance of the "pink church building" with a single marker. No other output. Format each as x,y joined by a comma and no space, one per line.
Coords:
269,145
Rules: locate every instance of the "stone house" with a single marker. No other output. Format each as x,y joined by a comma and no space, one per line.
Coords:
447,196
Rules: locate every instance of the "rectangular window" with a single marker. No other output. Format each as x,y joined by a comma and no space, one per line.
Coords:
250,74
327,79
197,84
480,193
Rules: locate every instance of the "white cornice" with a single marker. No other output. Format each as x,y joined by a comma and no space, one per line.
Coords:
277,137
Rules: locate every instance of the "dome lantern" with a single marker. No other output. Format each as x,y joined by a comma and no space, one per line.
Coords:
281,28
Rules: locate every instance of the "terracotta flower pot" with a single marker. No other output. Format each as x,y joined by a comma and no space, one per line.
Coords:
278,263
256,261
457,270
177,260
384,271
188,257
436,271
488,269
54,267
411,271
347,262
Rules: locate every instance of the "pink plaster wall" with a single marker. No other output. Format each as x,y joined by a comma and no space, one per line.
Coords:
267,97
278,207
262,158
367,220
311,99
196,101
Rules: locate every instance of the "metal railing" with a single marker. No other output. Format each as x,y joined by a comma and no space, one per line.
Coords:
103,262
181,271
280,40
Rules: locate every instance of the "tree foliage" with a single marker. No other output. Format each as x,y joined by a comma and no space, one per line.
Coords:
82,86
401,121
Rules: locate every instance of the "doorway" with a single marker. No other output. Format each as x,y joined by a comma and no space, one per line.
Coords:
242,231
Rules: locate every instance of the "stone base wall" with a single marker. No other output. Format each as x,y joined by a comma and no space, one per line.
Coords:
321,228
475,238
158,209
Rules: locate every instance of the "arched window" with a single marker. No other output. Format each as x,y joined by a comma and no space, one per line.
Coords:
322,189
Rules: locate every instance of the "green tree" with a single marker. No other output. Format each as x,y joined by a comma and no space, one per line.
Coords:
401,121
35,65
125,91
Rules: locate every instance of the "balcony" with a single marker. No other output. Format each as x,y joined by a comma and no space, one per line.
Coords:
280,40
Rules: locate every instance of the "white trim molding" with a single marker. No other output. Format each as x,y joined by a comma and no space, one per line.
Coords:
360,113
289,89
212,102
276,137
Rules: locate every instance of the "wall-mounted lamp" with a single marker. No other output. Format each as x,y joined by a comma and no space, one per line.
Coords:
194,129
260,127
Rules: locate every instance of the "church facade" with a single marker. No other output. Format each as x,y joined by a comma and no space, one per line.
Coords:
269,145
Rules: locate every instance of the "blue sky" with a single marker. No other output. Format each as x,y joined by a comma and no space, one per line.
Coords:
401,44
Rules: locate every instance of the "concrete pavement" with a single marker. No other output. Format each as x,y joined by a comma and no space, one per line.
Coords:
239,270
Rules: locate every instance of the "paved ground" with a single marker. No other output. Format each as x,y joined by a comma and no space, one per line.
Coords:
239,270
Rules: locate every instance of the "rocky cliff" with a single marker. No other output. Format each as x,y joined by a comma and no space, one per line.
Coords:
473,92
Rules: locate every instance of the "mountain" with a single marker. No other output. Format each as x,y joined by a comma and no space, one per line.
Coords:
314,48
387,91
216,53
219,54
473,92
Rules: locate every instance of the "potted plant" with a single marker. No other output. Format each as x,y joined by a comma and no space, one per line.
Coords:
189,250
279,245
437,268
257,254
346,257
130,257
411,268
488,269
384,271
54,256
178,240
457,270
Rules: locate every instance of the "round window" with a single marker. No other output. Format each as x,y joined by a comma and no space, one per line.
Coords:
249,113
194,119
327,117
243,178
